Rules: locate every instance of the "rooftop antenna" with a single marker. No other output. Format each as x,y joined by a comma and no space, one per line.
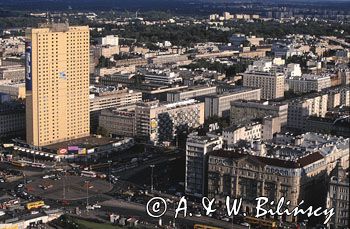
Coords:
48,17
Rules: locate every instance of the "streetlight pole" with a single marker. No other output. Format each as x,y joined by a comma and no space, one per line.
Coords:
109,174
87,194
152,166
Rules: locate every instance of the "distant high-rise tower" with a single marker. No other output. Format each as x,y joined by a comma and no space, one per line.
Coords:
57,83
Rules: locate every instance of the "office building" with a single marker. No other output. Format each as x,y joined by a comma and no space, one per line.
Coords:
159,122
258,129
172,58
197,148
106,97
235,174
15,73
293,171
14,90
197,92
12,119
112,40
339,125
118,122
57,83
244,111
115,79
161,77
220,103
308,83
333,99
112,97
345,96
292,70
338,197
271,84
301,108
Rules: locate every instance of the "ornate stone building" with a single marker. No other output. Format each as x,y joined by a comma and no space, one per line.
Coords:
239,175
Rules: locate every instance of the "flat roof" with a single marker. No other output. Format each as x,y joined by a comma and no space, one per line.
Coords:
86,142
301,162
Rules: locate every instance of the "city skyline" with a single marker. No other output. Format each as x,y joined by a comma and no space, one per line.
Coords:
174,114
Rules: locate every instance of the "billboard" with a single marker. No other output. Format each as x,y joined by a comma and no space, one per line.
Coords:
153,123
90,150
82,151
28,69
62,151
8,145
73,149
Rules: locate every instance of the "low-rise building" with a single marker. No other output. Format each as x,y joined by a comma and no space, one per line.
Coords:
28,220
339,126
109,51
161,77
15,73
113,70
109,40
196,92
115,79
172,58
118,122
14,90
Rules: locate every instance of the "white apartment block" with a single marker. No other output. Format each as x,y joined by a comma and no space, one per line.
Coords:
112,40
308,83
300,109
220,104
293,70
114,99
271,84
161,77
264,129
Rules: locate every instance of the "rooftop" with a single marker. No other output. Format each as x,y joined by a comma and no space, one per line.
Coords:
86,142
301,162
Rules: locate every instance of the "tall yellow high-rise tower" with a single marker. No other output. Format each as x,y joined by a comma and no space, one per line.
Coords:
57,83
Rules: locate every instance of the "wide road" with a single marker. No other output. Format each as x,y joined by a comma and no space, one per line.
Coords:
139,211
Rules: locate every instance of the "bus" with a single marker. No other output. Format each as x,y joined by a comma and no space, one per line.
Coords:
35,205
202,226
19,163
86,173
99,166
267,223
38,165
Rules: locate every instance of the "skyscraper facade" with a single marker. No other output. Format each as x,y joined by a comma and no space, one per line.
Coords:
57,83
